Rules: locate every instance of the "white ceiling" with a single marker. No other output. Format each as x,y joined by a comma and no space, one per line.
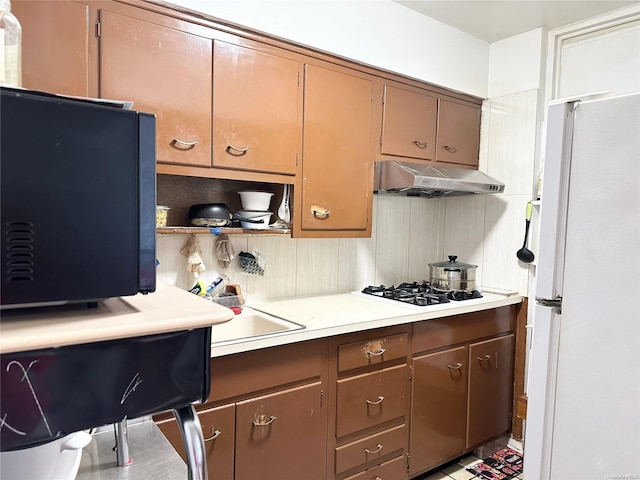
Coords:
495,20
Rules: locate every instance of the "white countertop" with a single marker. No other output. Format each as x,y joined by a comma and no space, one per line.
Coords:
328,315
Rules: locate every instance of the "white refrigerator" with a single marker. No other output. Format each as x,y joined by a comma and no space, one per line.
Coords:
583,415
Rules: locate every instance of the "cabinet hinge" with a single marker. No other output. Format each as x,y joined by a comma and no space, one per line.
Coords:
321,396
98,29
410,372
408,460
383,97
296,159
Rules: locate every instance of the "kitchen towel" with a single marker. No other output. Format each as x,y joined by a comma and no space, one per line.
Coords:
504,464
195,264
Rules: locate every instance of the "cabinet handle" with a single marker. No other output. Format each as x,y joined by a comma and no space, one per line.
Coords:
378,353
458,366
182,145
241,151
486,358
320,212
376,402
214,434
420,144
262,422
450,149
378,448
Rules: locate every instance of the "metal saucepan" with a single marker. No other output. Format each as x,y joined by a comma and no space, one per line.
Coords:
215,215
453,276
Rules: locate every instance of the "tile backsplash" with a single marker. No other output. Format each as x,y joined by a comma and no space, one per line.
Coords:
407,232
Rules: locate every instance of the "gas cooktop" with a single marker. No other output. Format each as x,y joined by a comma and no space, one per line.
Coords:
418,294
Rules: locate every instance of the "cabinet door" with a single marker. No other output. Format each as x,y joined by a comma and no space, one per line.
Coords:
438,411
408,123
282,435
163,71
55,46
255,110
337,167
490,389
218,431
458,133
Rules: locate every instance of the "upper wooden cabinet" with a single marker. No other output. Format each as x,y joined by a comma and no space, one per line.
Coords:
408,123
165,71
337,167
256,122
417,124
458,133
55,46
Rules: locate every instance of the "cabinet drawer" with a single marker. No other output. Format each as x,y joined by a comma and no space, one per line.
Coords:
372,352
218,427
370,449
391,470
443,332
370,399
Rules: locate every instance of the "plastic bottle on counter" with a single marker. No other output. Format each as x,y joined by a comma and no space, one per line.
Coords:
10,47
217,286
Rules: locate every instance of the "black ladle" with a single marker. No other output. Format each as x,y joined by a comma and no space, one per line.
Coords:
524,254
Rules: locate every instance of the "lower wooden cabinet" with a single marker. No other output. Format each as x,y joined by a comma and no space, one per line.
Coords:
462,385
282,435
490,389
218,429
384,404
438,412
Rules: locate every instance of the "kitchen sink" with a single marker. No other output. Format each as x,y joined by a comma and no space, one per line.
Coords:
250,324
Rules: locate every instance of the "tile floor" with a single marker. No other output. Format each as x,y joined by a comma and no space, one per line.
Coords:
457,471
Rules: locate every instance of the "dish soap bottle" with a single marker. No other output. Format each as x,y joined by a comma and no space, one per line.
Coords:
10,47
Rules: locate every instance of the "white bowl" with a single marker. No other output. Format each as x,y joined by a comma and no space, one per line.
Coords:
255,201
253,215
56,460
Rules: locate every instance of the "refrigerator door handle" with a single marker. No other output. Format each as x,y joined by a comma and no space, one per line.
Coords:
555,303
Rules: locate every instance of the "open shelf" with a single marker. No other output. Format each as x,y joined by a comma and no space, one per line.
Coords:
219,230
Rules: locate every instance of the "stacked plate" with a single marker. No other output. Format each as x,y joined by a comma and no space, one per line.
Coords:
255,206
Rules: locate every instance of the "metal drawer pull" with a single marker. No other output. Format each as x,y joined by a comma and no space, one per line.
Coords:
457,366
485,358
241,151
378,478
378,448
420,144
376,402
378,353
182,144
450,149
214,434
262,422
320,212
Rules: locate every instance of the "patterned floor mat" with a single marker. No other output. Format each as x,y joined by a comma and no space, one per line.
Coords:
504,464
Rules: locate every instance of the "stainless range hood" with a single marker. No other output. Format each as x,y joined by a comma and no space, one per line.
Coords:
418,179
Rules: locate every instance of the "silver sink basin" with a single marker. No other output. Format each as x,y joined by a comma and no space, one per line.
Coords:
250,324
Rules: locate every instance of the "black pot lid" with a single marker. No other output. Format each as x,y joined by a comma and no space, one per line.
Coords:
452,264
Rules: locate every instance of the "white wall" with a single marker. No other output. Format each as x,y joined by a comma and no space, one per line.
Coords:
381,33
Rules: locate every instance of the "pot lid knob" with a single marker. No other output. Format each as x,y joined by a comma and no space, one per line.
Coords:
452,258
